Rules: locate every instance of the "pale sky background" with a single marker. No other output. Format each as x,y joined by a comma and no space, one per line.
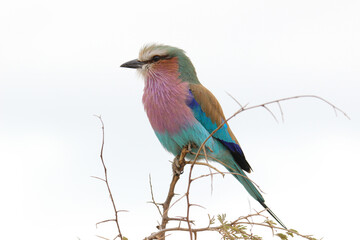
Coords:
60,65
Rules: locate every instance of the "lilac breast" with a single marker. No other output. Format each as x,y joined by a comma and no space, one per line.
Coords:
164,101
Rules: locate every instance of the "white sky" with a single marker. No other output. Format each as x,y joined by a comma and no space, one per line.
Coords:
60,65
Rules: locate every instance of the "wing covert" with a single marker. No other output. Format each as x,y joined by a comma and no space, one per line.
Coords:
208,112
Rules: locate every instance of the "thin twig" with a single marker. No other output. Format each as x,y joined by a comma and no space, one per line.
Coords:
281,111
235,100
224,173
206,164
176,201
180,219
116,220
102,237
272,114
336,109
211,176
108,220
152,197
99,178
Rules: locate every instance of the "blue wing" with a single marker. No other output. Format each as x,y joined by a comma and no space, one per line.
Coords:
208,112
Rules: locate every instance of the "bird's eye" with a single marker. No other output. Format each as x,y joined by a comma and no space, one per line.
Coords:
156,58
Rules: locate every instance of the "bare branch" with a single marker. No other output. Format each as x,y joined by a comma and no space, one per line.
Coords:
98,178
180,219
102,237
108,220
336,109
178,200
206,164
224,173
116,220
152,197
235,100
212,179
122,211
272,114
197,205
281,111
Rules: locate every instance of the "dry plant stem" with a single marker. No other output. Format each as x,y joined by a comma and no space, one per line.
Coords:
116,219
166,204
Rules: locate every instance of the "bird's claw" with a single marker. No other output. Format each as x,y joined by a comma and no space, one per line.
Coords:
176,166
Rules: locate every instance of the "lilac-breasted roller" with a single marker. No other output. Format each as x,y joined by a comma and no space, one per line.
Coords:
182,111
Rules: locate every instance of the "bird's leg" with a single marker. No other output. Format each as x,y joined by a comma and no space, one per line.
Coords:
179,160
176,166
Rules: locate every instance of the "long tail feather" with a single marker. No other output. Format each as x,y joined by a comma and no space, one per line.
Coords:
252,190
273,215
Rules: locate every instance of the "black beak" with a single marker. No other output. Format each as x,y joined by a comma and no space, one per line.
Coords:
133,64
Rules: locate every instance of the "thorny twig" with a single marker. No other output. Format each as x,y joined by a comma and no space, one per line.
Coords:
116,219
153,198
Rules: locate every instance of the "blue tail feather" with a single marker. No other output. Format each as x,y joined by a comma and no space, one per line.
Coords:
239,174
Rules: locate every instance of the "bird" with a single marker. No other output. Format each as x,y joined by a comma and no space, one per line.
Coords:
182,111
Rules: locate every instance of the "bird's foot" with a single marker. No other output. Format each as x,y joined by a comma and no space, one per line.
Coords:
179,161
176,166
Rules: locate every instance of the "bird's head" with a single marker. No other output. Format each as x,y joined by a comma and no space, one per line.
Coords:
158,60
